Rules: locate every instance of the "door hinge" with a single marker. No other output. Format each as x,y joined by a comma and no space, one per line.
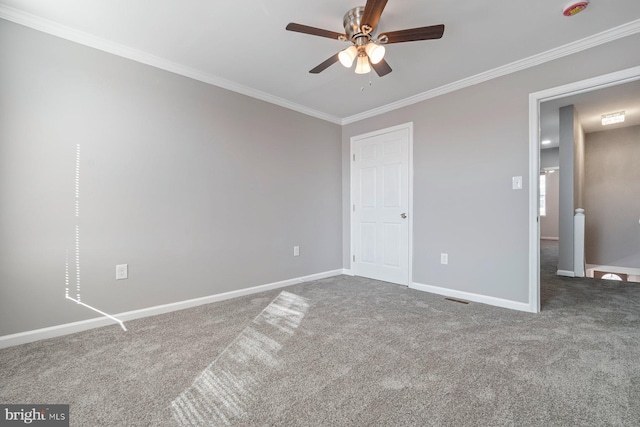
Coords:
354,157
354,258
354,208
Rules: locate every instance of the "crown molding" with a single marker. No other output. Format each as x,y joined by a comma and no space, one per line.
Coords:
62,31
603,37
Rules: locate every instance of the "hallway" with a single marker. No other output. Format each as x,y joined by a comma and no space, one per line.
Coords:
580,293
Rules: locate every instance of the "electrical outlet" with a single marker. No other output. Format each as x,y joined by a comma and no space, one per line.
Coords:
444,258
122,271
296,251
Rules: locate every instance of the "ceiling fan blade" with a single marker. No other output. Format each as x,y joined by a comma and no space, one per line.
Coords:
414,34
372,11
305,29
326,64
382,68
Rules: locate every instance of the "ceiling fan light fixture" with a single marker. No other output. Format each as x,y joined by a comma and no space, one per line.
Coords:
347,56
375,52
360,26
362,66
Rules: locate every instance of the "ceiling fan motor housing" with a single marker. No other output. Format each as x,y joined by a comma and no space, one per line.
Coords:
352,26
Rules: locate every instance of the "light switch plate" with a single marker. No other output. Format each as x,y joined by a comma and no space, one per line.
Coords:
517,182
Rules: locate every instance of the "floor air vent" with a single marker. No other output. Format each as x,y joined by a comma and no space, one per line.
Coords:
457,300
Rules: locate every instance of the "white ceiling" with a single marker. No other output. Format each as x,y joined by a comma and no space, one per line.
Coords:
244,46
590,107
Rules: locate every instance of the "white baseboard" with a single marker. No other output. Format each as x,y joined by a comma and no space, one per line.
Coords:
348,272
484,299
70,328
549,238
566,273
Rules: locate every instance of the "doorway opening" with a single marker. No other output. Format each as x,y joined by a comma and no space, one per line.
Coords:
536,162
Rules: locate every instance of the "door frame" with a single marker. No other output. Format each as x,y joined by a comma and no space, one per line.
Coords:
535,99
409,127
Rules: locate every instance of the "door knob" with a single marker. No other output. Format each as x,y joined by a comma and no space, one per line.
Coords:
403,215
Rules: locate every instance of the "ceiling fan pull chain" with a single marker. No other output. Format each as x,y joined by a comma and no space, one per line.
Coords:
364,85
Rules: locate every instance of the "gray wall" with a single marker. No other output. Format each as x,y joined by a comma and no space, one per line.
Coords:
200,190
568,122
549,224
550,158
571,158
578,165
612,197
203,191
467,146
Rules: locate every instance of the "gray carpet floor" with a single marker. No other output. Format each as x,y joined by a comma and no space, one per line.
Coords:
351,351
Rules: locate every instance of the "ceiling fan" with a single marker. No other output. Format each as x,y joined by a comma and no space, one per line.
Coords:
368,51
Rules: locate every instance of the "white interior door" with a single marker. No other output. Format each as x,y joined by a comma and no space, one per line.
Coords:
380,205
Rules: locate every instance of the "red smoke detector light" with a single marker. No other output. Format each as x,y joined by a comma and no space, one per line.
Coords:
575,8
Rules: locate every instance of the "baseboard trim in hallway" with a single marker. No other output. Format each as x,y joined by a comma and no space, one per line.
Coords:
566,273
71,328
